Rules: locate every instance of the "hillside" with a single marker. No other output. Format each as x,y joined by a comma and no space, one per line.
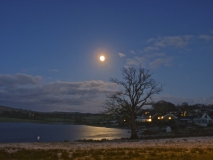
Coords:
4,108
9,114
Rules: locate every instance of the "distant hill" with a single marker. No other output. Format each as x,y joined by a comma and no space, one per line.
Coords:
17,114
4,108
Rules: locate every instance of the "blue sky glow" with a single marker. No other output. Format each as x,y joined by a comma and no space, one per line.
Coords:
49,50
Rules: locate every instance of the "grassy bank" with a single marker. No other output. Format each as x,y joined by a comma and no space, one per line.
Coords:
149,153
5,119
188,148
48,120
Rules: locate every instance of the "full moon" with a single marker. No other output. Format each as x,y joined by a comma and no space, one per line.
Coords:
102,58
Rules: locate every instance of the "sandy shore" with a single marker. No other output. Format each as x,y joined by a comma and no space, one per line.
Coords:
188,142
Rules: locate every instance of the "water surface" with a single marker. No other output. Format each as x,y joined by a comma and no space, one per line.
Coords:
28,132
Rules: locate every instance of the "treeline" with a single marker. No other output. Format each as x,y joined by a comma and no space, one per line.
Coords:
162,107
64,117
34,115
167,107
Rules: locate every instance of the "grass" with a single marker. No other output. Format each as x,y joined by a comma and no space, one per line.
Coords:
149,153
5,119
58,120
47,120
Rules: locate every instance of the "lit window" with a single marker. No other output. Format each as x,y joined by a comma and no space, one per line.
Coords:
170,117
162,117
158,117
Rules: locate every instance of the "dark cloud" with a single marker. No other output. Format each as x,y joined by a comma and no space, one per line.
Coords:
52,96
85,96
18,79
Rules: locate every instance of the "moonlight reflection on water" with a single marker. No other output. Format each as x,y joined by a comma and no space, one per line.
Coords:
28,132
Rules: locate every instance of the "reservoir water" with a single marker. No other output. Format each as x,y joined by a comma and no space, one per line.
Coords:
28,132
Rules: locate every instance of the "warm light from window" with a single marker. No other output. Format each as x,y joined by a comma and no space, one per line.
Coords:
170,117
148,120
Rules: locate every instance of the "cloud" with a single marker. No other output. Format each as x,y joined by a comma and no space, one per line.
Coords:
58,96
150,48
121,54
176,41
166,61
53,70
86,96
152,56
206,37
136,61
133,52
152,60
18,79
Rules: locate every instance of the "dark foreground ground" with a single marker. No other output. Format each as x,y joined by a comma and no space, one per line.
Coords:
178,149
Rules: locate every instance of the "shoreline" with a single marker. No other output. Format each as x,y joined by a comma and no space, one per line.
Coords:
184,142
189,148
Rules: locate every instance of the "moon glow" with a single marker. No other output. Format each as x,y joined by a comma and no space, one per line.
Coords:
102,58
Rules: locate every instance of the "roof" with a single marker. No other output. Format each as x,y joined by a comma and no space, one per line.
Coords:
187,117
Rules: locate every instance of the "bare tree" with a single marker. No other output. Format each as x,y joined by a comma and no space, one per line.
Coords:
136,90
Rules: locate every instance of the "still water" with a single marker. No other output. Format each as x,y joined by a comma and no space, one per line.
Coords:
28,132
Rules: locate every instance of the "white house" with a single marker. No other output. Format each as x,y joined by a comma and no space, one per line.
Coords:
204,120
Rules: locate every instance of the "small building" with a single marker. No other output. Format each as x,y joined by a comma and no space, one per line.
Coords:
167,117
185,121
143,118
157,116
167,129
204,120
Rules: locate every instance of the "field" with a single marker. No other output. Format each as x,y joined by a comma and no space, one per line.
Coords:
47,120
5,119
177,149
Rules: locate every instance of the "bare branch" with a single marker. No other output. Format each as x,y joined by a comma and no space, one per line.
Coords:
138,88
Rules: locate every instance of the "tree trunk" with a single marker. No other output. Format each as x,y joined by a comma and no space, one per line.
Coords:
134,134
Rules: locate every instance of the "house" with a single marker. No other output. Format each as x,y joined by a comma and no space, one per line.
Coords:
204,110
205,120
185,121
146,112
143,118
113,121
156,117
167,117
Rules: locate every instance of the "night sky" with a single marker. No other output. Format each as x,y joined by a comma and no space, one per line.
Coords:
49,50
